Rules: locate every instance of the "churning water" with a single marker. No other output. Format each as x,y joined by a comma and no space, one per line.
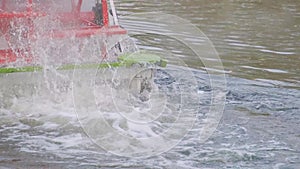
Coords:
258,42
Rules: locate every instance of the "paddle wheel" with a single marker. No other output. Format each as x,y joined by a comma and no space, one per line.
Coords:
28,24
53,49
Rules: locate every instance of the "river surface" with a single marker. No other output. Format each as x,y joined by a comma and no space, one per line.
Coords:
258,43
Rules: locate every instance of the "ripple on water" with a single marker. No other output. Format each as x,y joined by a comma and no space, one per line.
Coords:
260,125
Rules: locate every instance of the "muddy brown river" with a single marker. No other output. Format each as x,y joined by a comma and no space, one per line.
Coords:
257,42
